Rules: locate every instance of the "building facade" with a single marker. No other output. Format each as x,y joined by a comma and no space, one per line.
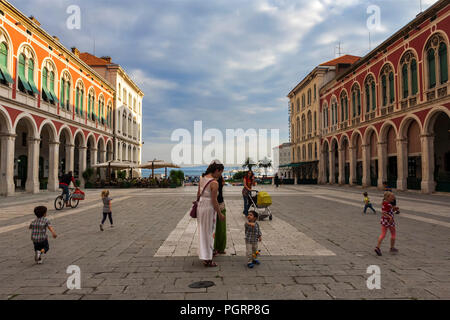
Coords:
56,112
128,108
282,155
305,131
387,118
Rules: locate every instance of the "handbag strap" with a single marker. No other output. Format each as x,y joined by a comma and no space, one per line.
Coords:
201,193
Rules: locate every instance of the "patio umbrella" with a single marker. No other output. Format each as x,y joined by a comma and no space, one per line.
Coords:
157,164
114,165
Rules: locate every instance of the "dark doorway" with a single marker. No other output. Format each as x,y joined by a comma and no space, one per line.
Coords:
392,172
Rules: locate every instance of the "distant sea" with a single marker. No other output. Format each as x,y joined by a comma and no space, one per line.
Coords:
188,171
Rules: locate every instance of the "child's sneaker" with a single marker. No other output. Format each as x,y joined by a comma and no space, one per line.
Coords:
40,258
256,262
378,251
101,227
250,265
37,255
394,250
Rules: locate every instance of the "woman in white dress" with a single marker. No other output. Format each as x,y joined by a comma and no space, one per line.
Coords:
208,211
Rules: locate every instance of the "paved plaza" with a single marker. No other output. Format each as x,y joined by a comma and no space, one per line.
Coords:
318,246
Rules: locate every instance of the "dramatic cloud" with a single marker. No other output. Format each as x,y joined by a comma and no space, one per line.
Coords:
229,63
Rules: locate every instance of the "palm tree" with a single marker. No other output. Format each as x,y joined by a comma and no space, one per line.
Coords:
249,164
265,163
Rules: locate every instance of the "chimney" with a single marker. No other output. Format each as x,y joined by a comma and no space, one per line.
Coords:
106,58
35,21
75,51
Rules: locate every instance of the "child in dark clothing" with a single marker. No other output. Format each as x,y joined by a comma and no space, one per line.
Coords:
252,236
39,233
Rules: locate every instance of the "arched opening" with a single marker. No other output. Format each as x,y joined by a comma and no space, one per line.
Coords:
414,178
91,152
124,152
23,155
373,158
359,160
441,130
109,151
326,162
391,157
64,152
345,147
79,165
335,149
45,159
5,188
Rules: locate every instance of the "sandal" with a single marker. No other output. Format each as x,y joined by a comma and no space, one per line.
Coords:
210,264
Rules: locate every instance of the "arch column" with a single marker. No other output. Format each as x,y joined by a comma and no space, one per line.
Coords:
53,162
428,185
82,156
32,183
402,164
341,164
7,164
352,177
93,156
382,164
70,155
331,162
366,165
322,168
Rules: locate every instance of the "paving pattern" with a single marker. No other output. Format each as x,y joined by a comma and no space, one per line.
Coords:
318,246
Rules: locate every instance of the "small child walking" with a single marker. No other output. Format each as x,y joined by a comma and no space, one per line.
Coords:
106,209
252,236
367,203
387,222
39,236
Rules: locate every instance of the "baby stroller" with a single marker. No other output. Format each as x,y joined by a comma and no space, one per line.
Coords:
261,200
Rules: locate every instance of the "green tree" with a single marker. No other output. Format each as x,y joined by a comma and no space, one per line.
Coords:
249,164
265,164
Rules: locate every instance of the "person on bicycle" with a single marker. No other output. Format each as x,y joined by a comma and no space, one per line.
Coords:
64,184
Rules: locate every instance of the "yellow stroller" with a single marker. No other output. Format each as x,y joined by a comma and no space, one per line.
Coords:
259,201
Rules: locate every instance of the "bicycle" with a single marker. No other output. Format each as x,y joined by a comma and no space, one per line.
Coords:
60,202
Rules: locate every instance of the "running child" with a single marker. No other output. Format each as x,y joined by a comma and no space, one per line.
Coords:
367,203
387,222
106,209
394,203
39,233
252,236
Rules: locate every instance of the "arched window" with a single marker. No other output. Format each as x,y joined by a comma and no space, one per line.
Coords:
48,82
387,85
65,91
298,128
315,121
25,71
344,106
325,116
334,112
309,122
356,101
303,101
303,125
101,110
22,83
409,81
437,58
79,98
91,103
124,93
309,97
120,92
298,105
5,76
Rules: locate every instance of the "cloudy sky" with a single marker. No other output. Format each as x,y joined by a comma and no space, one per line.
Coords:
229,63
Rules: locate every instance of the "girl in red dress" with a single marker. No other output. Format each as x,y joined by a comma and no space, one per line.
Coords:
387,222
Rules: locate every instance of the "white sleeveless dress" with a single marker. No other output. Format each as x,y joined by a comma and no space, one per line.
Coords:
206,222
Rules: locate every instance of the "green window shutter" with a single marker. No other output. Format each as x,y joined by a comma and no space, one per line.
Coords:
431,69
405,81
81,102
67,96
359,102
384,89
374,96
61,95
77,94
354,103
443,62
44,78
3,55
391,87
367,98
414,82
31,77
22,66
